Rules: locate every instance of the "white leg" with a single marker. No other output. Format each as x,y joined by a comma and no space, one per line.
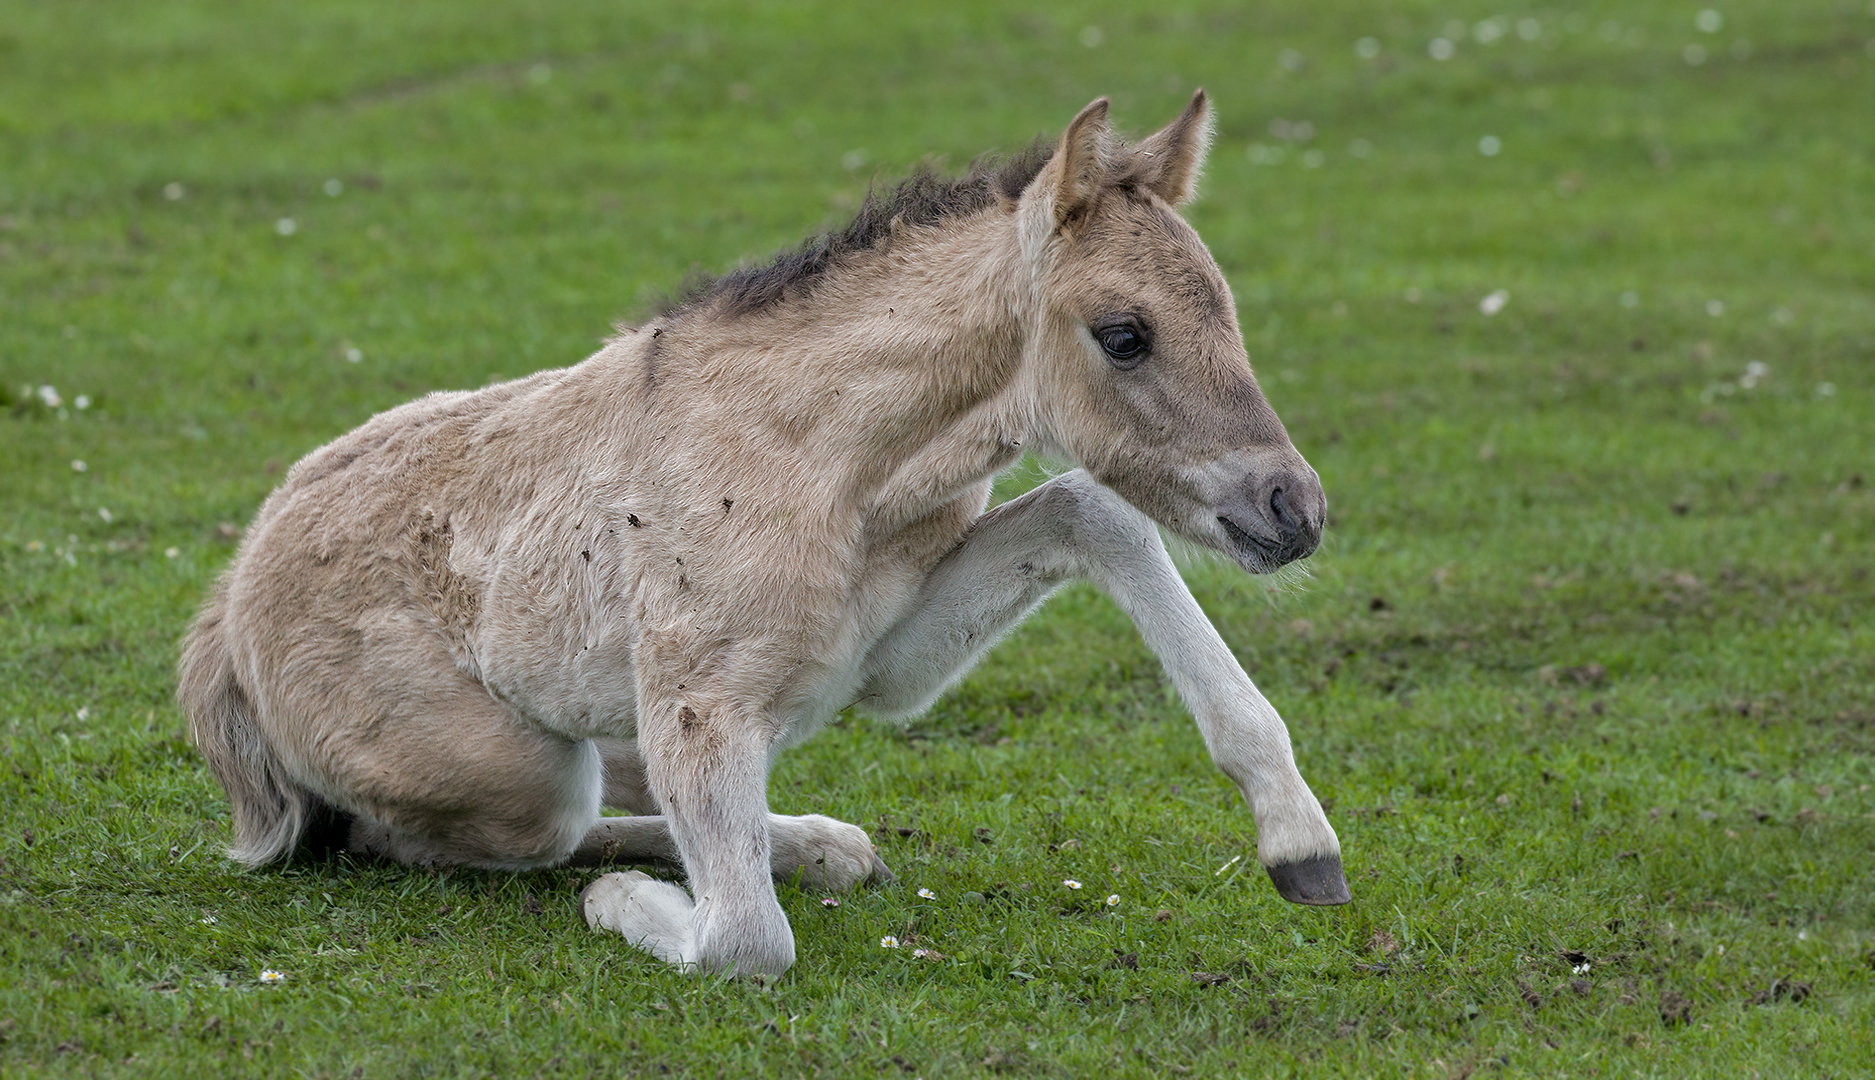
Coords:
708,767
825,854
1071,528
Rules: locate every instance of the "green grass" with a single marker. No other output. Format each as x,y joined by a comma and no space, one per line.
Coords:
1586,664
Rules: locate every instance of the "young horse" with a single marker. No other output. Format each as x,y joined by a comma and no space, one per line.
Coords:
454,634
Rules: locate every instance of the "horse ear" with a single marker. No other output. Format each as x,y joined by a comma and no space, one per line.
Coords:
1080,163
1172,158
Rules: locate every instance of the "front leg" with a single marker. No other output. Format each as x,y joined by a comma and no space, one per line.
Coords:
707,762
819,852
1069,528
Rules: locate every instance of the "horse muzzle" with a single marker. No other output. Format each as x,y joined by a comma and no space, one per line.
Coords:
1275,518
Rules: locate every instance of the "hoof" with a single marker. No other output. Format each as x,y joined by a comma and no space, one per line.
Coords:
881,873
1317,881
654,915
599,901
585,909
822,854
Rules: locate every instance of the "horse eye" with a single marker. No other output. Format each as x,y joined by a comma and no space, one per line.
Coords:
1123,343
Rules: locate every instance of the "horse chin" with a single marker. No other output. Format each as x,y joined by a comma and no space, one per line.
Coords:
1243,556
1251,562
1244,549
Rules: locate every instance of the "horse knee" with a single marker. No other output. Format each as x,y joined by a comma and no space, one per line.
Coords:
661,919
1097,519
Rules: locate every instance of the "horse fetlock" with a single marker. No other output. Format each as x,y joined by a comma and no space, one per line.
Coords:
1299,850
744,940
1293,829
827,855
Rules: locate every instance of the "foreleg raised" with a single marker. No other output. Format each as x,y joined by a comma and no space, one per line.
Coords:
1072,528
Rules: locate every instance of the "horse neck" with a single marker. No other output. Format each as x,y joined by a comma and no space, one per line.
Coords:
911,365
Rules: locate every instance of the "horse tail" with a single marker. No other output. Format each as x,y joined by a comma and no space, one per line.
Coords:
273,814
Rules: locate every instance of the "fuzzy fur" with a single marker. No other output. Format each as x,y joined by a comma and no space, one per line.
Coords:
464,625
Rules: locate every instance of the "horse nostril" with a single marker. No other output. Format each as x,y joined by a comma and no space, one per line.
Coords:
1285,520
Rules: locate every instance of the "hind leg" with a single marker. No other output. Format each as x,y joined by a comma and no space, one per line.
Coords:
442,774
823,854
626,786
535,818
818,851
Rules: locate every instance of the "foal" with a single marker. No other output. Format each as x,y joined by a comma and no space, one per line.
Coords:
455,633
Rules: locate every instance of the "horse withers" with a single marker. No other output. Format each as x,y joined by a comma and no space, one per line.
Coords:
454,634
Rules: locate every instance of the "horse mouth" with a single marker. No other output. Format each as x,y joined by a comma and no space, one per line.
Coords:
1258,554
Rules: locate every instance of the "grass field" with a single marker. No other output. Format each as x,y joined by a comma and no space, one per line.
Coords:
1585,671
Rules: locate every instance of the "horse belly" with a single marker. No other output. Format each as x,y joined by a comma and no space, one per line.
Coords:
556,636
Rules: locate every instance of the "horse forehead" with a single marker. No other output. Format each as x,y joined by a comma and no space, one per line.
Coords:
1144,234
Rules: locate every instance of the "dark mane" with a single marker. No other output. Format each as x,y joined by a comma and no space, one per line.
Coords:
923,198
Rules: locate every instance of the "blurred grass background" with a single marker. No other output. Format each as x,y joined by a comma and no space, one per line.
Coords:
1584,669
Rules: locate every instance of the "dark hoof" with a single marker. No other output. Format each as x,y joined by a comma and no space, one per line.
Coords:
583,894
881,873
1317,881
